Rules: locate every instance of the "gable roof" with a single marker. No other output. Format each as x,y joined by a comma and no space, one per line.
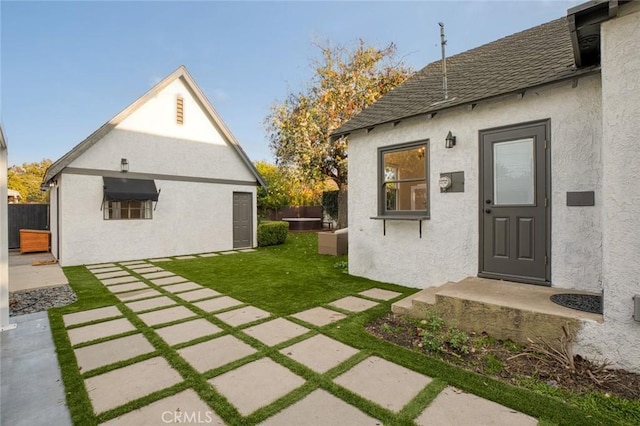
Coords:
3,142
180,73
534,57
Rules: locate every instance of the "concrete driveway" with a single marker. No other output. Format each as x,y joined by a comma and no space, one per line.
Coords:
23,275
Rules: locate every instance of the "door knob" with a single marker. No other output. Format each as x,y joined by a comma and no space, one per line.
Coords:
487,201
487,210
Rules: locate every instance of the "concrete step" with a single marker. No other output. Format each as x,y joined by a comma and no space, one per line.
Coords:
417,303
503,309
402,306
508,310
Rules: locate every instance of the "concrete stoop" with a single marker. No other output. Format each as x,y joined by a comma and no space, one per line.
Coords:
502,309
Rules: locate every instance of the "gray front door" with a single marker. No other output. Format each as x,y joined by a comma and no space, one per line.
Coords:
242,219
514,212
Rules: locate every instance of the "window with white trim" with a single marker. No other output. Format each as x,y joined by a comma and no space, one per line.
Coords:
403,188
114,210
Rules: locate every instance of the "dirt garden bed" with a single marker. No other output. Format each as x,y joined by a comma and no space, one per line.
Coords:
506,360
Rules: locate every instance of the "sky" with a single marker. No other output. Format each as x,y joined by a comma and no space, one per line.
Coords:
66,68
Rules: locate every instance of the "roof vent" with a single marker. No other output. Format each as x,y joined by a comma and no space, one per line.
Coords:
179,110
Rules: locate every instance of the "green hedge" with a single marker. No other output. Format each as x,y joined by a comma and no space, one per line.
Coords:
330,203
272,233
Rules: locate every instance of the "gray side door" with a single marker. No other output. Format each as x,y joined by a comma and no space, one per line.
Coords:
242,219
514,203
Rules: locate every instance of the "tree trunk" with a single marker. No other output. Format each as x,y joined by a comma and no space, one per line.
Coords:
342,206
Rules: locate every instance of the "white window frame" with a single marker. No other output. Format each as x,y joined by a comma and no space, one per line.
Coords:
113,210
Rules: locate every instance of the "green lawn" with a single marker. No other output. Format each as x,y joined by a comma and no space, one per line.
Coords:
284,280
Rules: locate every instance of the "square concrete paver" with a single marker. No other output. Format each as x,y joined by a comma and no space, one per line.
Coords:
117,387
185,331
166,315
321,408
203,293
161,259
145,269
174,409
186,257
91,315
158,274
169,280
113,274
229,252
105,353
177,288
138,294
353,304
98,331
319,316
208,255
133,262
454,407
242,315
156,302
213,305
380,294
383,382
120,288
105,270
319,353
247,250
215,353
256,384
119,280
277,331
100,266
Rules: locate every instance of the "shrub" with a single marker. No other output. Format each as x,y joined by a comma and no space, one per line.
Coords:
343,264
272,233
435,337
330,203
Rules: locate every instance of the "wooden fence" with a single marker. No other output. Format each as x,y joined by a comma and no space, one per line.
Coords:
26,216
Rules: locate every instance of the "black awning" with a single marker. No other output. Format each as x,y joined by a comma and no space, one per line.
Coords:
123,189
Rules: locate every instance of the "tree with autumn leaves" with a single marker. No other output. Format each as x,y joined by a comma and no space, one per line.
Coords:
27,179
345,82
285,187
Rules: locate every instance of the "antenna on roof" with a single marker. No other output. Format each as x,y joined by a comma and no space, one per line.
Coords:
443,42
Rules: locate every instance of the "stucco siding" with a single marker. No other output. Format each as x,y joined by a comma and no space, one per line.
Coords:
448,249
4,237
153,142
148,153
53,220
191,217
618,338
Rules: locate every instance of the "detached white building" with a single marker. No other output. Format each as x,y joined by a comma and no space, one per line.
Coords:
527,171
164,177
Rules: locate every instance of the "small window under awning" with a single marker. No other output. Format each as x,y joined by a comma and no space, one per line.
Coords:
123,189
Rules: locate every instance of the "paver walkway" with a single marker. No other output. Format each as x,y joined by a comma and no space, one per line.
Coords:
245,354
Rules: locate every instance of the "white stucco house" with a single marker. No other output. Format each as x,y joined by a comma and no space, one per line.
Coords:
164,177
5,323
528,171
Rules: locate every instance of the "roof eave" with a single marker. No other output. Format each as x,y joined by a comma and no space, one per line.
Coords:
579,74
3,141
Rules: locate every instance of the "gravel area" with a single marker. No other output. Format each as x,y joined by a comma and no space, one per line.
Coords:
28,302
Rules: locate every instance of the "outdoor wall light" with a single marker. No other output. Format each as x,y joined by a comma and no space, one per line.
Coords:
124,165
450,140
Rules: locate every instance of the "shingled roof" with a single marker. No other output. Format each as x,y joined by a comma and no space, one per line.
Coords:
530,58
